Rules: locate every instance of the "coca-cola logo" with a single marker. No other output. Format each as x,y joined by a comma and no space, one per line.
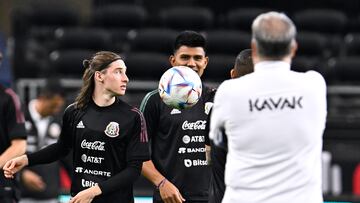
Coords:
96,145
197,125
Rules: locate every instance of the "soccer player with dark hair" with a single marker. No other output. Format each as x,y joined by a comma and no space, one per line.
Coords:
178,166
243,66
107,136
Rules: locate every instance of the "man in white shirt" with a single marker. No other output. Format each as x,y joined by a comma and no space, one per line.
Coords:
274,120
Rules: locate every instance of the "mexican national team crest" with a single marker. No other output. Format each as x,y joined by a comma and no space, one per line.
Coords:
112,129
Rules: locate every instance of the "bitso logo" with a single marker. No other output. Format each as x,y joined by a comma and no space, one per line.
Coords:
187,163
112,129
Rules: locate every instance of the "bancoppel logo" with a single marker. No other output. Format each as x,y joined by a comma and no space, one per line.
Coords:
197,162
96,145
80,125
195,150
197,125
79,169
91,159
186,139
87,183
175,111
187,163
112,129
182,150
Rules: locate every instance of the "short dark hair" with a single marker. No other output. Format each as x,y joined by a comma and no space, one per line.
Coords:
191,39
52,88
243,63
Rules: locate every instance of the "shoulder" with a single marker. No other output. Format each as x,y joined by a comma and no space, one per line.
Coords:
315,79
209,92
150,98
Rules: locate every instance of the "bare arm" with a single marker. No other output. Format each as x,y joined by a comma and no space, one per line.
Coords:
17,148
168,191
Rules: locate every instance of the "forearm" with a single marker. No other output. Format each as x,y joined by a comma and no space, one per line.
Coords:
123,179
16,148
151,173
48,154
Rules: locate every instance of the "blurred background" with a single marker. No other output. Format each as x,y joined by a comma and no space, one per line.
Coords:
50,38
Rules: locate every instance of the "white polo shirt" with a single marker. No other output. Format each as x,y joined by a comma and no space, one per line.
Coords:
274,119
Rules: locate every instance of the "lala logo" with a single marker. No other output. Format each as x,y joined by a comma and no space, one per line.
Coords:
112,129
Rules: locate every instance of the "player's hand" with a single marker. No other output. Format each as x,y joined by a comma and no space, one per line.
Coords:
170,194
14,165
33,181
86,196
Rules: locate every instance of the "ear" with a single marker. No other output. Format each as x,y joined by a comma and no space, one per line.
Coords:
206,61
232,73
254,54
172,60
294,47
98,76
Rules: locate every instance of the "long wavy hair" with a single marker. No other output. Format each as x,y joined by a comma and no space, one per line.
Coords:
98,62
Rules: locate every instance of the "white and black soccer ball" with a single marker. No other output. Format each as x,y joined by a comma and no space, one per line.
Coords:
180,87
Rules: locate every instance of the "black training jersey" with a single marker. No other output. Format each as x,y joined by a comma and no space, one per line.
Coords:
178,143
109,145
218,160
11,127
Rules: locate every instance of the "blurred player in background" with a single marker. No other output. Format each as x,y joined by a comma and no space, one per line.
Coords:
243,65
178,166
41,183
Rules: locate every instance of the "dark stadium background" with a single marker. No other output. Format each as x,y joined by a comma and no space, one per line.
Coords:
49,38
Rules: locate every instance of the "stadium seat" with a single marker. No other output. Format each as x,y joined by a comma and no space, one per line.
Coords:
68,63
219,67
312,44
146,65
347,69
321,20
82,38
119,16
153,40
187,18
352,44
242,18
227,41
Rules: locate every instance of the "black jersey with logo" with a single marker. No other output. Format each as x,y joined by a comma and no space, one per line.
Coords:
178,143
11,127
109,145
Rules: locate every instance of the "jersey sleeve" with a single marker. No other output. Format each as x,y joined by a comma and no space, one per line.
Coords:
149,107
14,117
138,143
62,147
217,122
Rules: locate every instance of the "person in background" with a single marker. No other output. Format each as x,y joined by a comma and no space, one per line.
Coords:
217,157
107,136
12,139
178,166
41,183
274,120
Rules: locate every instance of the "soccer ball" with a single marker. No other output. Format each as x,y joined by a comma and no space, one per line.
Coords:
180,87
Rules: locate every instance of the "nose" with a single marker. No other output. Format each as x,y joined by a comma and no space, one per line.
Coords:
125,78
191,63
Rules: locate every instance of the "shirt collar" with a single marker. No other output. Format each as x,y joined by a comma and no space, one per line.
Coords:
33,112
271,65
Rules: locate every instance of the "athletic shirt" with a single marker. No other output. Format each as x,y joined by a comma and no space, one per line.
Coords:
274,120
11,127
178,143
109,145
